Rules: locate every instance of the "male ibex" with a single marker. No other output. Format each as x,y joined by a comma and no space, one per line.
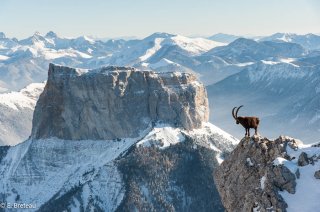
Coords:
246,122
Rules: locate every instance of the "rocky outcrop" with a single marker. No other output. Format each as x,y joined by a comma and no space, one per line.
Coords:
303,159
116,102
254,173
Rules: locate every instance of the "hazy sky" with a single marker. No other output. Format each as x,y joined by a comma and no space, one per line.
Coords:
114,18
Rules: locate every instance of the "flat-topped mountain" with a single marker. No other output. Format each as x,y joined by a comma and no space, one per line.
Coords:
116,102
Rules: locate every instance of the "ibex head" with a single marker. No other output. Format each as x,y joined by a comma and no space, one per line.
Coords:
235,115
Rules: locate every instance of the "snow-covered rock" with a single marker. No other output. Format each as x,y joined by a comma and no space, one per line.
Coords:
274,180
308,187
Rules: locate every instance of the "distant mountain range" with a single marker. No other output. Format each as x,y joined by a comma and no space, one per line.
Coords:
224,38
308,41
275,77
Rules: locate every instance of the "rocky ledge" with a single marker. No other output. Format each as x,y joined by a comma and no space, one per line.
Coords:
262,175
116,102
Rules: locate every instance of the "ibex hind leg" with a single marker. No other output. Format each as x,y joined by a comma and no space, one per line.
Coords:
247,137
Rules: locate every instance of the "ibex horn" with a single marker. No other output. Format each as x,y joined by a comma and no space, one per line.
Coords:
233,112
238,111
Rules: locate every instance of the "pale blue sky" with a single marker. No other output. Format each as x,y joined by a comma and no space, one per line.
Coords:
114,18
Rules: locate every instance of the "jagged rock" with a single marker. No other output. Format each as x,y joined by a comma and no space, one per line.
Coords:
284,178
317,174
293,143
303,159
244,187
316,145
116,102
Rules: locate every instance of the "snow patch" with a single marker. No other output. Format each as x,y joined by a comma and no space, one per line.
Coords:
2,57
219,157
195,45
249,162
306,197
262,182
289,164
289,61
26,98
268,62
153,50
162,136
162,63
244,64
210,129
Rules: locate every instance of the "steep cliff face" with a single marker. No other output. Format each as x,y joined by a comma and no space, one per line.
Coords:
117,139
116,102
269,175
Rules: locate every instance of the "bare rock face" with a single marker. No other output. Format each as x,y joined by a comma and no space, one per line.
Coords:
317,174
251,177
116,102
303,159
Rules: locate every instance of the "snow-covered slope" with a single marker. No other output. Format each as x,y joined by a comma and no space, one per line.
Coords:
16,110
307,191
245,50
42,172
309,41
149,46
